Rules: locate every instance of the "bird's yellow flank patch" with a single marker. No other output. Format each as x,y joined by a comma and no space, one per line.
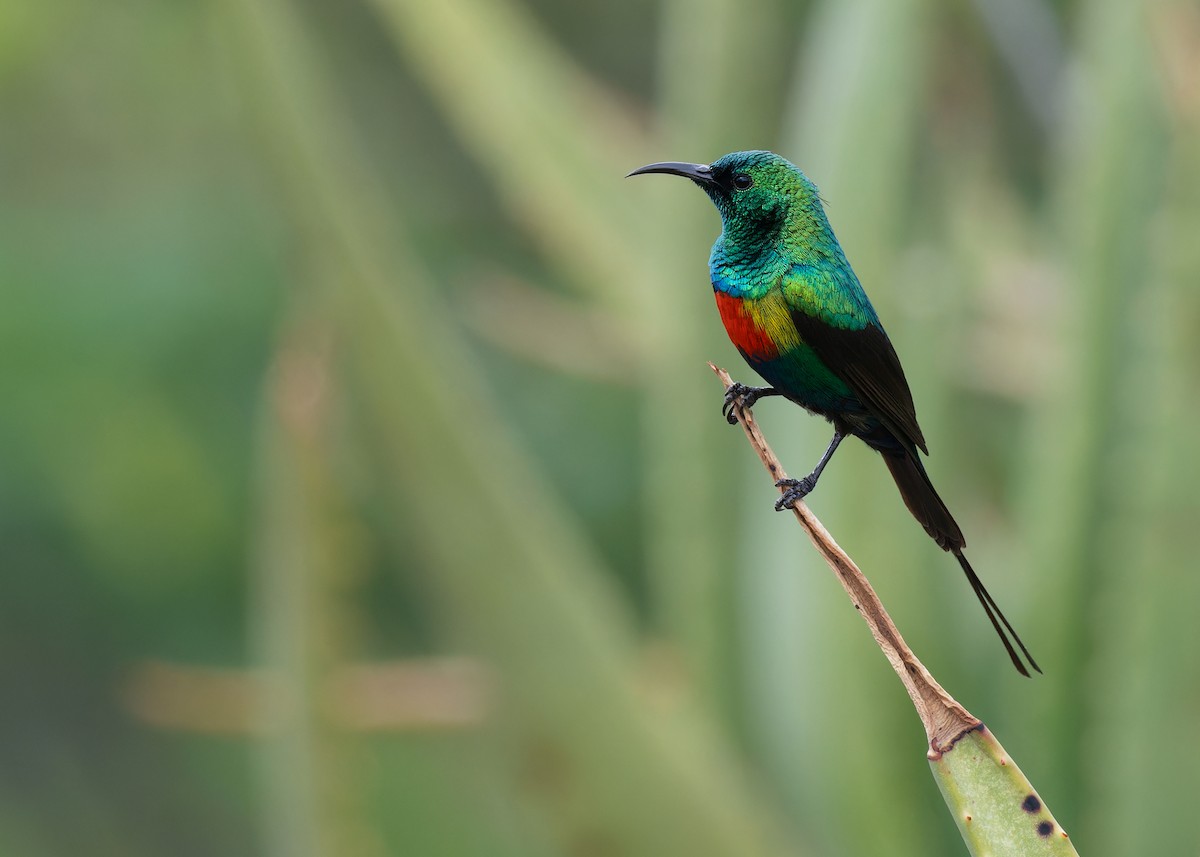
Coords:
771,316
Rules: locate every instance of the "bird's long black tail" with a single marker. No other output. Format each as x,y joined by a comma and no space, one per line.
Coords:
927,507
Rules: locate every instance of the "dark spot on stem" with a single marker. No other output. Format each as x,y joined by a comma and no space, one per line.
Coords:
1031,804
1045,828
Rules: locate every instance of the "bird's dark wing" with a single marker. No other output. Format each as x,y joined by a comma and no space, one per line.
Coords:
866,361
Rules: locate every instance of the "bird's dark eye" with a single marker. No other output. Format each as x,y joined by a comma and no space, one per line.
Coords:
742,181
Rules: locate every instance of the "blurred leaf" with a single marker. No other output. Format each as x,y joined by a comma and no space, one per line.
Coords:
519,580
553,140
553,331
1108,179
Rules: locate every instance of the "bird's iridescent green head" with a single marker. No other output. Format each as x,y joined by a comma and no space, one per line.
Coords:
760,195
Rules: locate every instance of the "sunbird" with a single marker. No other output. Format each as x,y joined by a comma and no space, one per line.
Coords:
796,312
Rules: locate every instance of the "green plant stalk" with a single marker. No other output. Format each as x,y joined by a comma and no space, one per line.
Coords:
510,575
293,820
307,802
553,141
1140,798
555,144
1107,186
997,810
693,569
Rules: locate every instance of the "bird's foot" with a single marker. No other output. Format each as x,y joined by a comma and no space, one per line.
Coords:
741,396
797,490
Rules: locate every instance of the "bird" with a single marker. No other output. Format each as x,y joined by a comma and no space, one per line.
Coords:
796,311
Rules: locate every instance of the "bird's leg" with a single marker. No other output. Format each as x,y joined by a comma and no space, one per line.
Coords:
740,394
798,489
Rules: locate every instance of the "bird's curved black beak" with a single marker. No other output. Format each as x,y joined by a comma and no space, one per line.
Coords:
701,174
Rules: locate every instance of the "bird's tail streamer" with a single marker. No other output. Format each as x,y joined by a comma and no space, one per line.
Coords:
993,611
927,507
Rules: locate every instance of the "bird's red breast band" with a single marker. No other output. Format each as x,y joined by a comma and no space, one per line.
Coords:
752,340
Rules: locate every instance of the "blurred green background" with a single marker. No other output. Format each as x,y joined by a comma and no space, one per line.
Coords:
363,489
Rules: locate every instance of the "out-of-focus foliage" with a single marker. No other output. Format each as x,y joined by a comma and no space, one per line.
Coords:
363,490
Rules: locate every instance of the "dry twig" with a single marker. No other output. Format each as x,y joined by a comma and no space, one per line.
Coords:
945,720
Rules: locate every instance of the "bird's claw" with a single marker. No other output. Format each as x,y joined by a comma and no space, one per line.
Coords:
733,393
797,490
739,396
